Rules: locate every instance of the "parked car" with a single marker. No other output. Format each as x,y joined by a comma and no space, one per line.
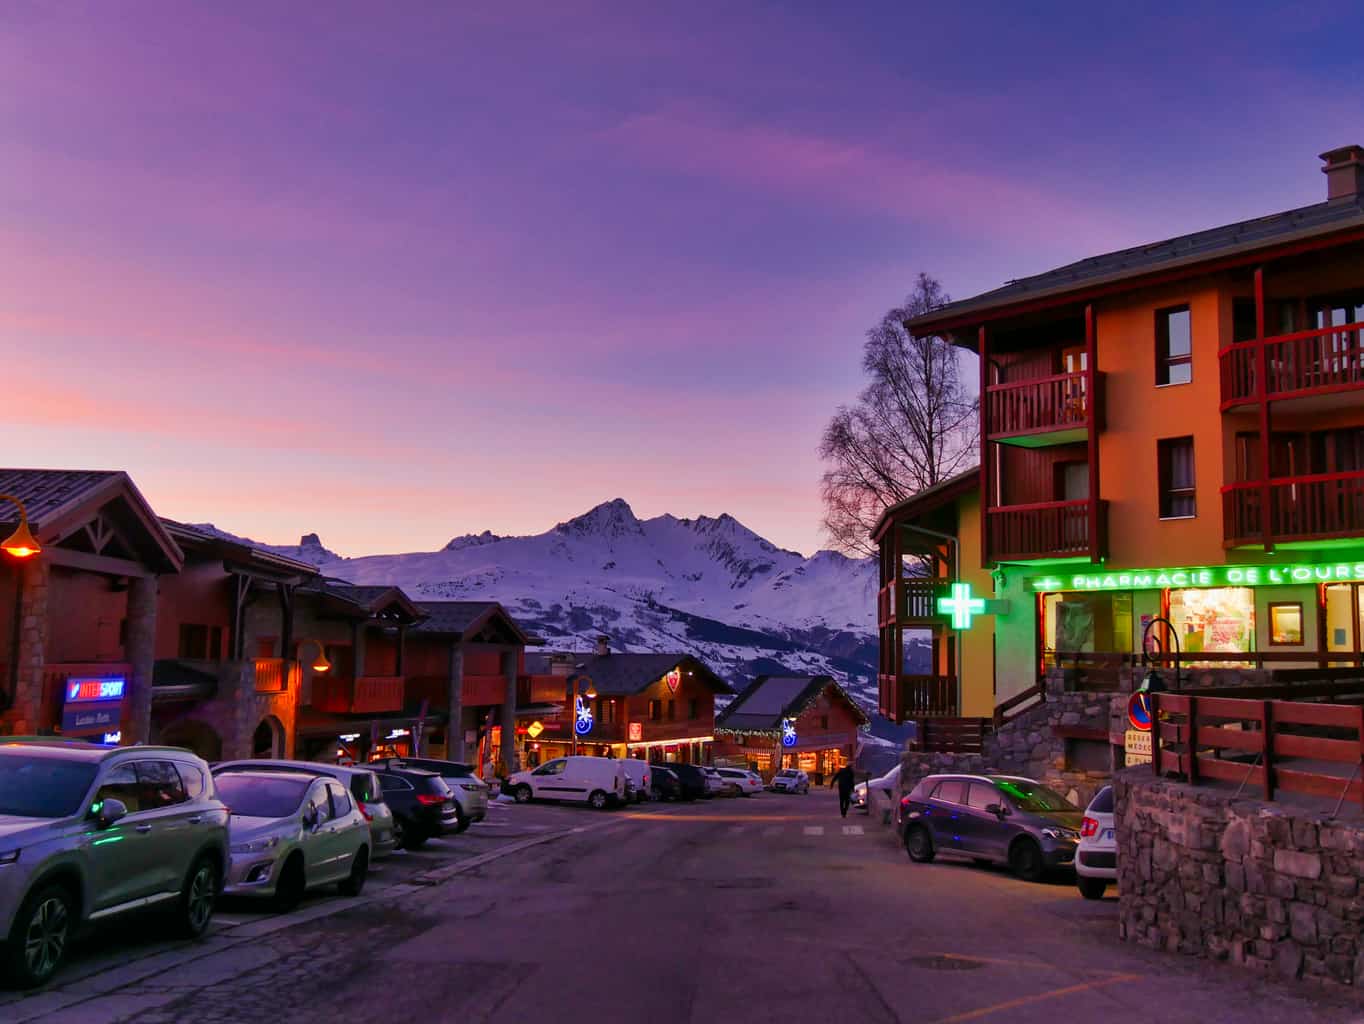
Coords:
90,831
744,782
639,773
1096,858
992,818
291,832
664,783
691,778
422,803
716,784
597,781
471,793
361,783
791,780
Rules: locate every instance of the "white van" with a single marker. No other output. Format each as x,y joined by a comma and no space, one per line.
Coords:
640,777
596,781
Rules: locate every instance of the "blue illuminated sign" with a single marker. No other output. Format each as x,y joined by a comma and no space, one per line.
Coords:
86,690
582,722
93,706
788,733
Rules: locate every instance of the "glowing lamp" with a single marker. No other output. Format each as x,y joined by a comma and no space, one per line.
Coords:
21,543
322,664
591,693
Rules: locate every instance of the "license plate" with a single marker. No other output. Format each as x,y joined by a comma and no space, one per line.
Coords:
1107,835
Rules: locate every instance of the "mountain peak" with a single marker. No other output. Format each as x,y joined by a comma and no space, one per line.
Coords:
472,540
614,518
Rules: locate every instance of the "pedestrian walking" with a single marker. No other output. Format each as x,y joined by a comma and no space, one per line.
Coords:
843,778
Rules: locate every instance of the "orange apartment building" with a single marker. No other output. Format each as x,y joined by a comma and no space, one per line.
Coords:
1171,460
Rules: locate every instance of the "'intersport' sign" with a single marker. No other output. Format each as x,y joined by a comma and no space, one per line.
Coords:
1204,576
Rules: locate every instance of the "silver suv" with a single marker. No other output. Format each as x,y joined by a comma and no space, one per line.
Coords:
88,831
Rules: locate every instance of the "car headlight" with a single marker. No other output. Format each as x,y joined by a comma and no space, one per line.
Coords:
1061,833
9,856
256,845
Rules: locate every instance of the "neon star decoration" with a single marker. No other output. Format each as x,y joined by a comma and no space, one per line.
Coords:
582,721
961,606
788,733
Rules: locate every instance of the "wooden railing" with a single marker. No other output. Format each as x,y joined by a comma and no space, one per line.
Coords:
1275,744
1314,507
366,695
909,600
1020,702
914,697
1319,361
951,735
1039,405
1045,529
272,674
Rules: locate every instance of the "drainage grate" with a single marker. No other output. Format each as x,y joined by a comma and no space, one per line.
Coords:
945,963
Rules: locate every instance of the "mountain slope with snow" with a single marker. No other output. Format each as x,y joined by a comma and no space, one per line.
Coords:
710,586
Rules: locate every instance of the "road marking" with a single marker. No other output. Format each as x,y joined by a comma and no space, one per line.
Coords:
737,830
772,830
814,830
852,830
1013,1004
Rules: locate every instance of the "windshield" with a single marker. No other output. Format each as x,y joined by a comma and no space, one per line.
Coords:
789,773
43,787
1029,796
259,797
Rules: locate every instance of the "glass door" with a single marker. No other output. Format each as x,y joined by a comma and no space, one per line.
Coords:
1344,622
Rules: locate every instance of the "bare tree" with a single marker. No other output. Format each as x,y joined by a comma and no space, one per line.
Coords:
912,426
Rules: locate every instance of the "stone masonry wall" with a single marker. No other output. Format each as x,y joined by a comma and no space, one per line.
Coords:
1271,888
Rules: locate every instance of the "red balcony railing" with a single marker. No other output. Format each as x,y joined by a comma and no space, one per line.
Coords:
913,600
916,697
1321,361
1037,406
274,675
366,695
1050,529
1316,507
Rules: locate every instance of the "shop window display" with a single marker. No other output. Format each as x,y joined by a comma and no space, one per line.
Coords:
1080,623
1217,620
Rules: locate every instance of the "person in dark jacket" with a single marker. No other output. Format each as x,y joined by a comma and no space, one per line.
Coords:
843,778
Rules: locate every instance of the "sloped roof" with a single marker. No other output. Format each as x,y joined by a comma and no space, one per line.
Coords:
366,601
623,674
192,538
1185,251
769,699
942,493
458,618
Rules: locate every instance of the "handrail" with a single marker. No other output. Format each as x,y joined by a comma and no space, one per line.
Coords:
1290,481
1274,339
1001,709
1036,506
1030,381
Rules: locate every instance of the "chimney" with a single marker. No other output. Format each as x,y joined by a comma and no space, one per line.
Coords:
1344,172
603,646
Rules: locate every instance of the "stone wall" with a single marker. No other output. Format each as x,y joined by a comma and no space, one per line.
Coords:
1258,884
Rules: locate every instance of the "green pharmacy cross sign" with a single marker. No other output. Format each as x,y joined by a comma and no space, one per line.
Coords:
962,606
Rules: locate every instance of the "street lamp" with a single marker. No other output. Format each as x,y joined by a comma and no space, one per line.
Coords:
590,693
21,543
320,663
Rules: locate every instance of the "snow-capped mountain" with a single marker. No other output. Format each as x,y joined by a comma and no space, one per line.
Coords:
709,586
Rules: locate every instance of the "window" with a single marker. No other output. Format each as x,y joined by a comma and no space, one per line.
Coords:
193,780
315,808
553,768
160,784
1176,458
1174,346
981,795
121,784
1220,619
1242,320
693,708
824,721
655,710
393,784
340,801
265,647
672,710
204,643
949,792
1285,624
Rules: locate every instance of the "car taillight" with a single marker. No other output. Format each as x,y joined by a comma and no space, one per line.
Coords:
1089,827
904,803
430,799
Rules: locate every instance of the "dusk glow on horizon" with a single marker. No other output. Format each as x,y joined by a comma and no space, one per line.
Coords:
396,277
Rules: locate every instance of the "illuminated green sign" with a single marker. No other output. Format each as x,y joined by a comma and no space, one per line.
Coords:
961,606
1203,576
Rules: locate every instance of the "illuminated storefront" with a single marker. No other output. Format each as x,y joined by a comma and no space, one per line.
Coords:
805,722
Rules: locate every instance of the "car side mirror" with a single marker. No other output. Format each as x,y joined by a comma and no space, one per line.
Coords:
310,819
110,812
998,810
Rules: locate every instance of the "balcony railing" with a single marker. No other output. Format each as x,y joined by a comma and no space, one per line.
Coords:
1049,529
273,675
1321,361
366,695
912,600
916,697
1316,507
1038,406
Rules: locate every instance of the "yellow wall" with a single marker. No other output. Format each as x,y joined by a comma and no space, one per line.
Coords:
977,643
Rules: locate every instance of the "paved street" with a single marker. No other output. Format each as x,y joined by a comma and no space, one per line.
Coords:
771,908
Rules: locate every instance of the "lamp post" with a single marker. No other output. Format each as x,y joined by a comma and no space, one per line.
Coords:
21,543
320,663
590,693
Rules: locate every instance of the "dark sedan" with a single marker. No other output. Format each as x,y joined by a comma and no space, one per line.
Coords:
422,803
991,818
691,779
663,783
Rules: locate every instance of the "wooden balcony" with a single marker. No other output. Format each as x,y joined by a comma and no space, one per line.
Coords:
916,697
1325,361
1037,412
911,602
364,696
1049,529
1301,508
275,675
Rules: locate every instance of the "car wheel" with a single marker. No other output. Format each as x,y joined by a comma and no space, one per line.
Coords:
1025,860
522,794
359,870
919,845
197,898
293,880
415,838
1092,888
462,821
597,800
37,942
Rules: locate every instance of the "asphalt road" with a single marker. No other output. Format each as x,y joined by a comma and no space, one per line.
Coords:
767,909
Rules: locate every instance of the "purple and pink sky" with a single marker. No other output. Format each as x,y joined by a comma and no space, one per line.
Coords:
399,272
